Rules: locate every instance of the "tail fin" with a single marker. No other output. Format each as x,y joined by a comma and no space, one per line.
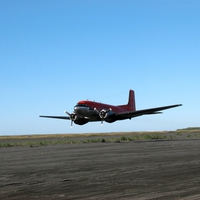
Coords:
131,102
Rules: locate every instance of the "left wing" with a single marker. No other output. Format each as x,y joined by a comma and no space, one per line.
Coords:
131,114
56,117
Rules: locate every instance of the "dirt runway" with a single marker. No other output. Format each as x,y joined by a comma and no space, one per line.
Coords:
149,169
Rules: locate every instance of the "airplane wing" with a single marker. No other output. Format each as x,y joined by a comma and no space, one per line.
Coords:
56,117
129,115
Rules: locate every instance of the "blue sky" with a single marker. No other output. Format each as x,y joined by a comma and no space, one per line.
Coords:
55,53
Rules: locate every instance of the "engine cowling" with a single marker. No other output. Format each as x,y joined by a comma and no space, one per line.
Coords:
107,115
103,114
73,116
80,121
77,119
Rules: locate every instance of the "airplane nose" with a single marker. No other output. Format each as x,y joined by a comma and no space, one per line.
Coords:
76,107
80,108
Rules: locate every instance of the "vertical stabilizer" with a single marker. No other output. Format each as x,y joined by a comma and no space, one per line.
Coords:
131,102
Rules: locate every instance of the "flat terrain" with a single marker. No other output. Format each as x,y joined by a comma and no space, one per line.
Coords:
139,169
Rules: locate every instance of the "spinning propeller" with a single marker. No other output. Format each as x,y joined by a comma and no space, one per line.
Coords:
103,114
72,116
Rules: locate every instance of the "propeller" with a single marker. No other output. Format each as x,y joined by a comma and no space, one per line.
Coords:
103,114
72,117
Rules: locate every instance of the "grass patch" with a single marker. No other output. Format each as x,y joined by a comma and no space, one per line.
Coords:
188,136
89,140
63,139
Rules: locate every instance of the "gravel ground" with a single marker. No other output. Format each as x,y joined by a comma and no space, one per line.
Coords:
145,169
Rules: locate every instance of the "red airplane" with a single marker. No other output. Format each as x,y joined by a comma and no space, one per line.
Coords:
90,111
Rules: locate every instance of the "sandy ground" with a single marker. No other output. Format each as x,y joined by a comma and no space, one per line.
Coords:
149,169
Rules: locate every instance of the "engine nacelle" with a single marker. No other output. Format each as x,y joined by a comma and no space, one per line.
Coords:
80,121
103,114
73,116
106,115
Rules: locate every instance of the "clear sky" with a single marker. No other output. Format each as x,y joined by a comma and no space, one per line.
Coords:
54,53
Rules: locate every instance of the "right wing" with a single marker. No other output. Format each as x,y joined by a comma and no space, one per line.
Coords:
149,111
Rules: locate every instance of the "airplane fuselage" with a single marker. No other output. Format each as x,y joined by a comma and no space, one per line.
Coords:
94,111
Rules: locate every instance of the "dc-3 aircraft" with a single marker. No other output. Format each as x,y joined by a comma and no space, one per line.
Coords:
89,111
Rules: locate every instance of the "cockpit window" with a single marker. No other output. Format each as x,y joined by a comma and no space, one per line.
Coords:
81,105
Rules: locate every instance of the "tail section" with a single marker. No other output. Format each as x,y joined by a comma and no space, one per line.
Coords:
131,102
